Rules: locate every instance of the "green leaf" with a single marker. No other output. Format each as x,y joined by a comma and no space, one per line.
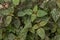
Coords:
32,30
54,28
55,14
41,13
23,33
16,23
15,2
8,20
41,33
24,12
28,11
35,9
33,17
11,36
8,11
27,20
10,28
35,26
21,13
44,21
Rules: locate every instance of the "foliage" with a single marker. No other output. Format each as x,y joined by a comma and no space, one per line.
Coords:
29,19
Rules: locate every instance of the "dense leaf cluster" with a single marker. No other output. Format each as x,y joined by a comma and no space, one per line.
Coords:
29,19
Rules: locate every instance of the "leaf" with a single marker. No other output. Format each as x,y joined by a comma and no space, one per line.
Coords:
28,11
32,30
44,21
41,13
54,28
35,9
23,33
21,13
10,28
7,11
8,20
35,26
11,36
33,17
17,30
24,12
41,33
26,19
15,2
55,14
16,23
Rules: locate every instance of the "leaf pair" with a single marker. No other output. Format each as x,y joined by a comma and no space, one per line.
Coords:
24,12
